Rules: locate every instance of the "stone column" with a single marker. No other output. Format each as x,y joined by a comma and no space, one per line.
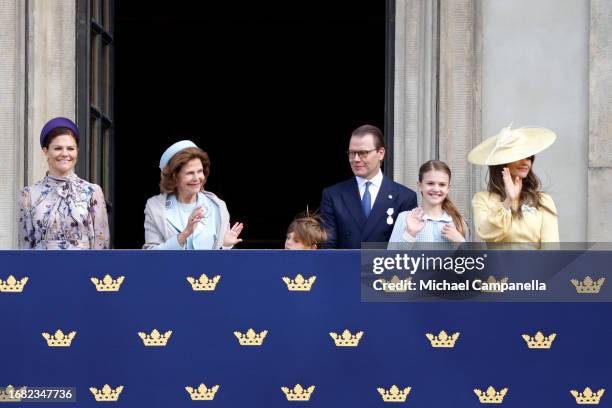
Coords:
438,91
416,65
51,72
599,215
460,110
37,81
12,114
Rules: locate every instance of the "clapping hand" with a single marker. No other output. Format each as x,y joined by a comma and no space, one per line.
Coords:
450,232
231,236
512,187
192,222
415,222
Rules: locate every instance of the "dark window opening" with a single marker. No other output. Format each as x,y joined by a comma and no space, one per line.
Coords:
271,90
95,92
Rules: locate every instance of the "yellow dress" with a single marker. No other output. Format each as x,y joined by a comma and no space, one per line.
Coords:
494,223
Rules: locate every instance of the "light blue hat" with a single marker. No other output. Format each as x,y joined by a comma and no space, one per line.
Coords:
172,150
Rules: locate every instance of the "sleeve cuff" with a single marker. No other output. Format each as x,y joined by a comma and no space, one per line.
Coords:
407,237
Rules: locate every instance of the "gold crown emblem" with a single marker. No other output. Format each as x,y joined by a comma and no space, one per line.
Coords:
491,283
398,285
491,396
59,339
155,338
588,285
587,396
106,394
299,284
442,339
251,338
12,285
202,393
108,284
204,283
394,394
346,339
8,394
539,341
298,393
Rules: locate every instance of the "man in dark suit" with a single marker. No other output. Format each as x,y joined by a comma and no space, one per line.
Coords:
364,208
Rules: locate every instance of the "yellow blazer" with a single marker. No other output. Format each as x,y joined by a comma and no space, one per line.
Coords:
494,223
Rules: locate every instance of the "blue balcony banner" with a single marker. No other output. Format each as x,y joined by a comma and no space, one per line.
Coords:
251,330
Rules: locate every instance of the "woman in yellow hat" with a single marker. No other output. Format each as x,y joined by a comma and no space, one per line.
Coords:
513,209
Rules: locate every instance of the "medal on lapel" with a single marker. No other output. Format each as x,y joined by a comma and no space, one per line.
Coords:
389,216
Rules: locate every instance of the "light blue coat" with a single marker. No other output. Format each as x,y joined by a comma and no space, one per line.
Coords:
162,220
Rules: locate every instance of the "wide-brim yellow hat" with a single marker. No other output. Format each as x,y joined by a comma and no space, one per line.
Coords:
510,145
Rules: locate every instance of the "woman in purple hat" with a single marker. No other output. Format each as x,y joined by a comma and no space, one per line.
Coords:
62,211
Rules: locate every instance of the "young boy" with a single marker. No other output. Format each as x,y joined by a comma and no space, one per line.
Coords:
305,232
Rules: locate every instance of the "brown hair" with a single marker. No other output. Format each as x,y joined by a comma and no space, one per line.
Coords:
447,204
307,229
167,183
363,130
60,131
529,192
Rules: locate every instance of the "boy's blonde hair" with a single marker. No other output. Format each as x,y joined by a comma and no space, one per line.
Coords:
307,229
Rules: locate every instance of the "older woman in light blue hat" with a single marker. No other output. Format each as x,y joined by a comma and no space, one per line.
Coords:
183,215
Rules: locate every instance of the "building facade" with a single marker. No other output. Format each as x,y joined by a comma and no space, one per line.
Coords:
462,70
57,58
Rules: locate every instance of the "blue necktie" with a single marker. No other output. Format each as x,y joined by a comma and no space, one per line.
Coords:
366,201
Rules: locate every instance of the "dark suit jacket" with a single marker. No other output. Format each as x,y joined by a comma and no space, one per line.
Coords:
343,216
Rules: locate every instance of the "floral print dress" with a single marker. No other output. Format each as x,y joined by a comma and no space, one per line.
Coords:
63,213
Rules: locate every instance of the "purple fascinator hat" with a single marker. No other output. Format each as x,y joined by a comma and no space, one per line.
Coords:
58,123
